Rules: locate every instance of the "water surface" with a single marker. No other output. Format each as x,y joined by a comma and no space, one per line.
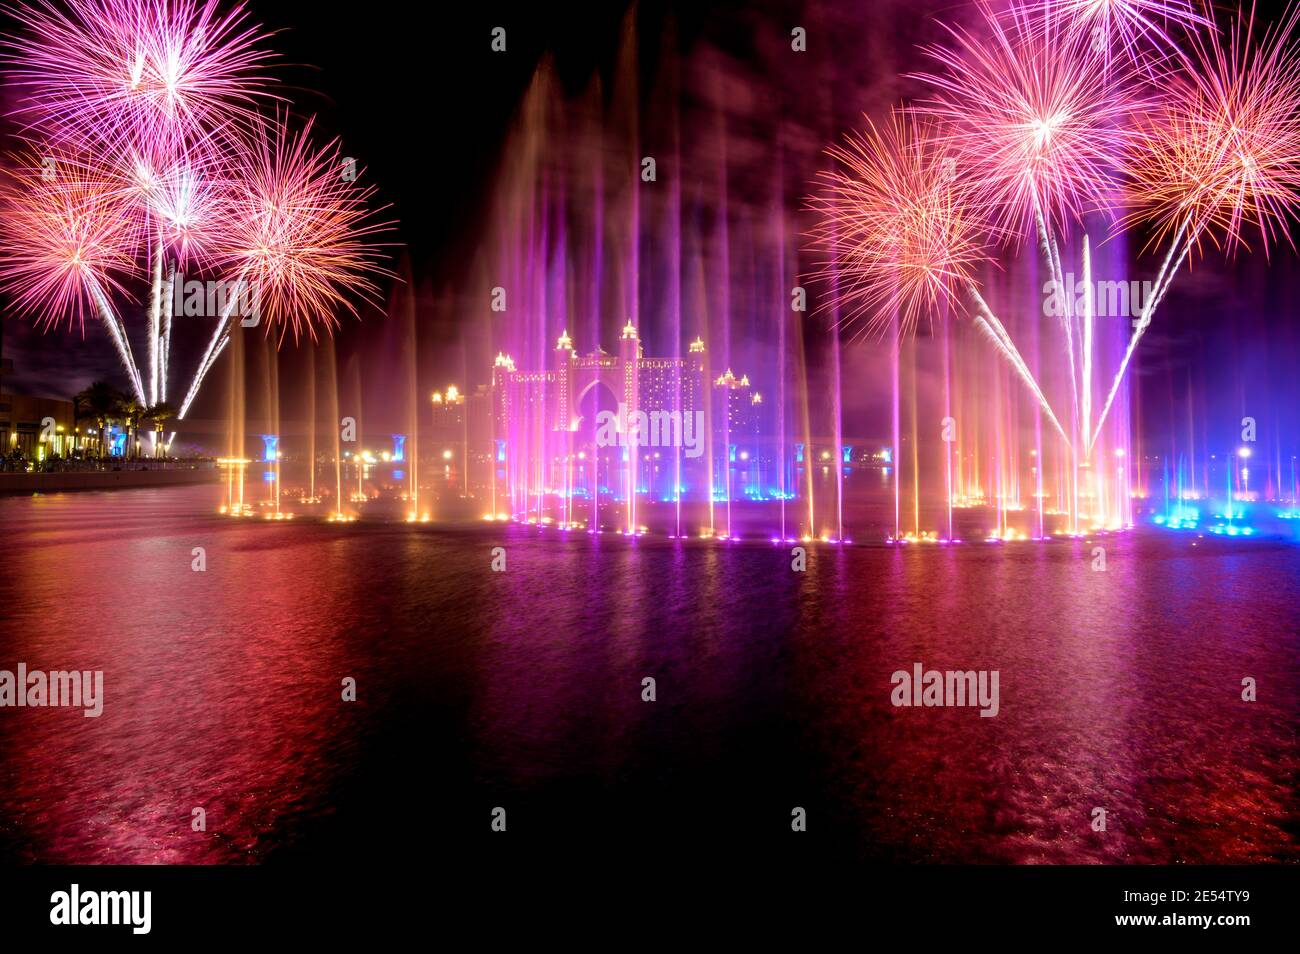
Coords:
1118,689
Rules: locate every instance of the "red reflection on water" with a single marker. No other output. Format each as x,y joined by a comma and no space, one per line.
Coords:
1119,690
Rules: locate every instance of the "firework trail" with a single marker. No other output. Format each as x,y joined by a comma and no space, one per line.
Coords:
188,173
997,333
298,238
66,236
903,238
1219,156
1088,307
1034,110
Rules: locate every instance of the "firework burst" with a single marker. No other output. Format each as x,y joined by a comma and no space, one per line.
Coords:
163,96
1221,151
176,199
904,237
1220,154
1125,25
66,235
898,225
112,71
299,238
300,232
1032,117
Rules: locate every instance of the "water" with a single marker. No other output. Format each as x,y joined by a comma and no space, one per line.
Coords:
523,690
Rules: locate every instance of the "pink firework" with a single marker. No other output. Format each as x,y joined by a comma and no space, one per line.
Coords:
66,232
179,200
1124,24
105,71
300,232
189,209
898,224
1221,152
1033,117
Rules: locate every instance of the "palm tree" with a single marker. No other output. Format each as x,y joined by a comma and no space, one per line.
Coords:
99,403
130,411
155,417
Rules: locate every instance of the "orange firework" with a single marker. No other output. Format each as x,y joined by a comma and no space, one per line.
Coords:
299,241
898,223
65,233
1221,151
300,232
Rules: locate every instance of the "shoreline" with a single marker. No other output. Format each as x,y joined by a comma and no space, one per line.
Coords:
105,479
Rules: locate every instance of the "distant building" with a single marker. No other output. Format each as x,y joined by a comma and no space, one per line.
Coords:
37,428
449,436
546,438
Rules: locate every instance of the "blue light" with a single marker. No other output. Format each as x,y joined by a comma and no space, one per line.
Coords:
1179,517
399,448
1231,530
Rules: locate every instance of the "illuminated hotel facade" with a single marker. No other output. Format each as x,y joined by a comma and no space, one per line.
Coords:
547,444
